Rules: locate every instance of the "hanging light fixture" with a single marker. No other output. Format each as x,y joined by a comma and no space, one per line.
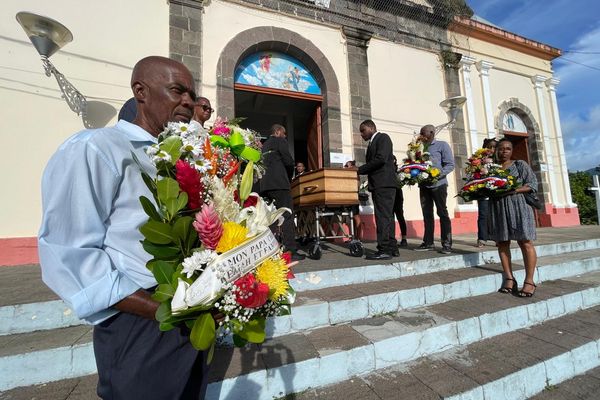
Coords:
452,106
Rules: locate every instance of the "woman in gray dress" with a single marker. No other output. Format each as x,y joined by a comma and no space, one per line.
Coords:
511,218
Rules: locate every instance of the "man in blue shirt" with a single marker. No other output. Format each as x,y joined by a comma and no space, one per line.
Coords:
89,243
442,158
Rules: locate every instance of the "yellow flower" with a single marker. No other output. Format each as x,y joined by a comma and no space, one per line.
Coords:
274,272
233,235
434,172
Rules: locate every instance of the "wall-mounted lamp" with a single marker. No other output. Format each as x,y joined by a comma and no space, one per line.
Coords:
452,106
48,36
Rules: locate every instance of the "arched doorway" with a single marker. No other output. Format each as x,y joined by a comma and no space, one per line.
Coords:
274,39
514,128
275,88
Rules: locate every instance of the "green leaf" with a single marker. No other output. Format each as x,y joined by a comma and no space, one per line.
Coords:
163,292
182,228
285,309
167,188
211,353
164,312
163,272
172,145
246,184
239,341
150,183
149,209
165,326
203,332
161,252
254,330
157,232
190,323
191,243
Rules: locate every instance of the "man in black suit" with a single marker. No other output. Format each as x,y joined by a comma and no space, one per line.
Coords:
382,184
275,184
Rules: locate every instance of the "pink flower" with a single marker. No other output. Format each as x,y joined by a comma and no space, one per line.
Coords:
209,226
220,127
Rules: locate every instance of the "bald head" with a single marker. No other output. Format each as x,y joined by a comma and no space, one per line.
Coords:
164,92
427,133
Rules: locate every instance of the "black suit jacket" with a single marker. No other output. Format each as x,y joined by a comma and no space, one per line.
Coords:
380,163
279,164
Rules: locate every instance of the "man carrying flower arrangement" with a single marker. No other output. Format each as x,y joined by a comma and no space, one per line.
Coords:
89,243
436,193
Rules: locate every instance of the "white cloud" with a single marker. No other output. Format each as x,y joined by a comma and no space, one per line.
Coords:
581,137
569,66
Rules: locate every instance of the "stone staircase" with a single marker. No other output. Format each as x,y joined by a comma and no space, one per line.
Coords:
430,326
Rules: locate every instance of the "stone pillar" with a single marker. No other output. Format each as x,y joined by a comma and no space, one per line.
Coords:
465,63
564,172
538,84
185,36
357,41
484,72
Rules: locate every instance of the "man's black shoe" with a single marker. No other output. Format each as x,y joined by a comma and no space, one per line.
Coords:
395,253
424,247
297,256
446,249
403,243
378,256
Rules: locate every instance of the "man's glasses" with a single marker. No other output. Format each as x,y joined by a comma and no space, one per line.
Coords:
207,108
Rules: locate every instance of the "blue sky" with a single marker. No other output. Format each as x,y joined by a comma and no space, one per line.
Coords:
571,25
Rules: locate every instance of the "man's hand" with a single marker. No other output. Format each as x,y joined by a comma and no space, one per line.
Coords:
139,303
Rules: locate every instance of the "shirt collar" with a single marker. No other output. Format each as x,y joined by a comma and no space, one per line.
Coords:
134,132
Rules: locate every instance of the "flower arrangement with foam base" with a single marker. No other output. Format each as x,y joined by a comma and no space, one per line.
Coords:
213,251
417,167
485,178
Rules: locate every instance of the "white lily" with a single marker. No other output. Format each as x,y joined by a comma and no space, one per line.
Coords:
261,216
178,303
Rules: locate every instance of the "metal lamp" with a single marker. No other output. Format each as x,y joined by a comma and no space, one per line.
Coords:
452,106
48,36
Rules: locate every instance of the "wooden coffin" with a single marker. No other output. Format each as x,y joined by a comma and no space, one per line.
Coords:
326,187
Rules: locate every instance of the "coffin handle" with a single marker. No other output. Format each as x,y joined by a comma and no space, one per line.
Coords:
311,188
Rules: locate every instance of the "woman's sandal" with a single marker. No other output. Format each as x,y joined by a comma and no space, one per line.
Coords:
522,293
514,289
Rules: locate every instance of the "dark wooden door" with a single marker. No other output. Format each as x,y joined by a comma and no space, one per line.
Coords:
314,141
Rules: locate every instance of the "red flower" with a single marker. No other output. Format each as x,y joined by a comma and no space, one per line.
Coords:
500,183
251,293
476,175
189,182
287,257
251,202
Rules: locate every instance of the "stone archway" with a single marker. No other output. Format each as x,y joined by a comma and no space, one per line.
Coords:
536,149
278,39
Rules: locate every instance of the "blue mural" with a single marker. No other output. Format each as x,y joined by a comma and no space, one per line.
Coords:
277,71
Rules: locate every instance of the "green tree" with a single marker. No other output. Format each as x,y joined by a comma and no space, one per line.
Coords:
586,202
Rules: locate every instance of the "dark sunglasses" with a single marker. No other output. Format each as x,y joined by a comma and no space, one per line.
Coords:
207,108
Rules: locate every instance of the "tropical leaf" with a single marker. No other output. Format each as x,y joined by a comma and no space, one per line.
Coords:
161,252
203,332
167,188
157,232
163,272
149,209
172,145
163,292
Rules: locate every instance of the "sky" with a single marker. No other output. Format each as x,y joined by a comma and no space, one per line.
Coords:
574,27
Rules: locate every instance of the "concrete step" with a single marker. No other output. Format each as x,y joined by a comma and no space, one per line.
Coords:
82,388
296,362
32,306
585,386
515,365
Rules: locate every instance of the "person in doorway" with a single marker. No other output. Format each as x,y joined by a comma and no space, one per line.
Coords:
275,184
399,210
300,169
90,244
483,204
358,224
511,218
202,110
441,158
379,168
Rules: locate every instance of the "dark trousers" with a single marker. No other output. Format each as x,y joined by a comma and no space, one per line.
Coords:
437,196
399,211
383,203
283,198
482,214
136,360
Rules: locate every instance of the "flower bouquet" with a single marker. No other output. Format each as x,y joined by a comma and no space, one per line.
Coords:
417,167
210,237
485,178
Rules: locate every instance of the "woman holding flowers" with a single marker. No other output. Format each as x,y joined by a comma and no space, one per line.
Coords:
511,218
483,204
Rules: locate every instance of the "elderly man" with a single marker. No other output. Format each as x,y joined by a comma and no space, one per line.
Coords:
90,250
381,174
441,157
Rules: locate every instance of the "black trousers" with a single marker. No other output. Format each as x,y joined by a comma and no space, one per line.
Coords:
283,198
136,360
399,211
383,202
437,196
482,216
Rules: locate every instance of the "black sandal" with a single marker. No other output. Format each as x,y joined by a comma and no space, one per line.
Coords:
527,294
514,289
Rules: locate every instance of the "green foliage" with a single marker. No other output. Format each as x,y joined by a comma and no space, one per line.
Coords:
203,332
586,202
254,330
